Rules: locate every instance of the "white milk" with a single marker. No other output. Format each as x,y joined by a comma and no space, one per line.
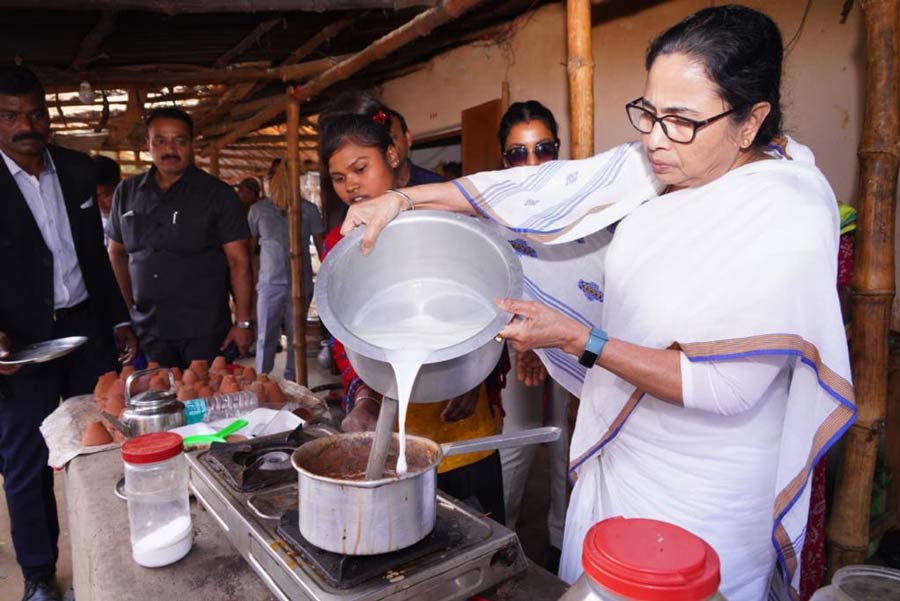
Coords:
167,544
413,318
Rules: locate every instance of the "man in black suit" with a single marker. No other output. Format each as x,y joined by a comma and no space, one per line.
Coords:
56,281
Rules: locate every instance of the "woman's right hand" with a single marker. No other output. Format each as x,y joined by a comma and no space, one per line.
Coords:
363,416
375,214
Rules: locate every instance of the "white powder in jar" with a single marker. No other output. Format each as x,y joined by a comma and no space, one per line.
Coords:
167,544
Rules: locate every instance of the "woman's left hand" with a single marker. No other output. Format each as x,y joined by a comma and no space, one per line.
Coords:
538,326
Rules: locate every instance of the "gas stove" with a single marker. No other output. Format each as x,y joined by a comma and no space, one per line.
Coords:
251,491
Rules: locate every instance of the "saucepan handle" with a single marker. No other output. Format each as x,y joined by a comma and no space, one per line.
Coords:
502,441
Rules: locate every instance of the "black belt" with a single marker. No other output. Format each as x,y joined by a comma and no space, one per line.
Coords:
67,312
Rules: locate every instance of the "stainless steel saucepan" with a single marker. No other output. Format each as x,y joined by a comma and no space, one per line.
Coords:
342,512
421,248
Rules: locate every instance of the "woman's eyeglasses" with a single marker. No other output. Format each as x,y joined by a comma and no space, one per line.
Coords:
517,156
678,129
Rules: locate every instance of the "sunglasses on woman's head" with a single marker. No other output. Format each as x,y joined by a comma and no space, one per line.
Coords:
543,152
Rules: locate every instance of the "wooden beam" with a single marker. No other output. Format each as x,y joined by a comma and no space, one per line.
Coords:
177,7
94,39
158,97
266,138
62,81
214,161
872,286
252,38
228,105
421,25
295,223
580,66
328,32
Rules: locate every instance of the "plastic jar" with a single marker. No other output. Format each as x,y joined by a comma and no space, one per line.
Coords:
861,583
645,560
156,486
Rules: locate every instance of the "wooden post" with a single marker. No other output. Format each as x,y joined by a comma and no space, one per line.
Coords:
872,290
214,160
295,222
580,66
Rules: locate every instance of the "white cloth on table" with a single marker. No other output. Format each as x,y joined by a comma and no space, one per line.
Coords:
742,267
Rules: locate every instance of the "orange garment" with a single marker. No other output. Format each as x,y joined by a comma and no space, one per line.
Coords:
424,419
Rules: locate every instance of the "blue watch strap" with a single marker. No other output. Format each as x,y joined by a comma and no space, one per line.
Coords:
597,339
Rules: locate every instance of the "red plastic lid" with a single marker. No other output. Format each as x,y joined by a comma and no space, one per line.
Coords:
648,560
150,448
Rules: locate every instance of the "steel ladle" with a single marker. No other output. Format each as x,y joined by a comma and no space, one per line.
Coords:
384,434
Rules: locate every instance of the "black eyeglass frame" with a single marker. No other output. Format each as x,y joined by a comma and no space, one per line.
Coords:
697,125
534,150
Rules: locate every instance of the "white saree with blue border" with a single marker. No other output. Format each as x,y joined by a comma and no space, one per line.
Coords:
742,267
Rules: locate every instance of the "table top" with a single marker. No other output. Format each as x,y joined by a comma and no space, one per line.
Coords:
104,570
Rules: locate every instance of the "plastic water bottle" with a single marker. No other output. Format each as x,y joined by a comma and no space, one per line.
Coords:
220,406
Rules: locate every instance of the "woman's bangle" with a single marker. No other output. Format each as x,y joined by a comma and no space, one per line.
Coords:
366,398
409,201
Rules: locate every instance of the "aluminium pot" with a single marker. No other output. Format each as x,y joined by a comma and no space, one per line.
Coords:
417,246
343,513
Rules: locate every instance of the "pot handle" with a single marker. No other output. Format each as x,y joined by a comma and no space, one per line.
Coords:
143,372
502,441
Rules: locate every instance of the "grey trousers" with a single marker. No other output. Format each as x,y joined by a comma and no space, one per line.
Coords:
274,313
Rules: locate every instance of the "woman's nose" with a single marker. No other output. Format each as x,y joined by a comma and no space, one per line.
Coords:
657,137
532,159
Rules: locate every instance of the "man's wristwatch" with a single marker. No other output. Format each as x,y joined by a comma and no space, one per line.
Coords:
594,347
244,325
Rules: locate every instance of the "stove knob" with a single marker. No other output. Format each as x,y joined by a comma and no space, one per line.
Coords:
505,557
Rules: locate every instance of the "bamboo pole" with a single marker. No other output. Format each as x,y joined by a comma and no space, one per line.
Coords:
421,25
872,289
295,222
580,66
230,104
214,161
148,76
94,39
178,7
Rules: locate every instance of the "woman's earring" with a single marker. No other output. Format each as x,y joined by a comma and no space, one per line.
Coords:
745,143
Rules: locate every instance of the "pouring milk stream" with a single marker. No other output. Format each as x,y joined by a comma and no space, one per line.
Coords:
410,320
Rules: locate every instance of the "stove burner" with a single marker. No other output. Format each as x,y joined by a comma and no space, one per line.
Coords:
254,464
348,571
274,460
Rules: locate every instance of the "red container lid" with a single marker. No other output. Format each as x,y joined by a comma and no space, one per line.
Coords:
150,448
649,560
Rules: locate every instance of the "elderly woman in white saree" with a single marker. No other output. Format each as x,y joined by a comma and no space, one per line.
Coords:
705,340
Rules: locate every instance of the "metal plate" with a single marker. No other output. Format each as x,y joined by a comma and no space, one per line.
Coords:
41,352
120,489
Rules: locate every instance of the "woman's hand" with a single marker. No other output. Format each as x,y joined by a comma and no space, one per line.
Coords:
538,326
530,369
461,407
375,214
363,416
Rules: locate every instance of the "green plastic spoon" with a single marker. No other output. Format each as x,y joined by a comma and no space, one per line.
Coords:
220,436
